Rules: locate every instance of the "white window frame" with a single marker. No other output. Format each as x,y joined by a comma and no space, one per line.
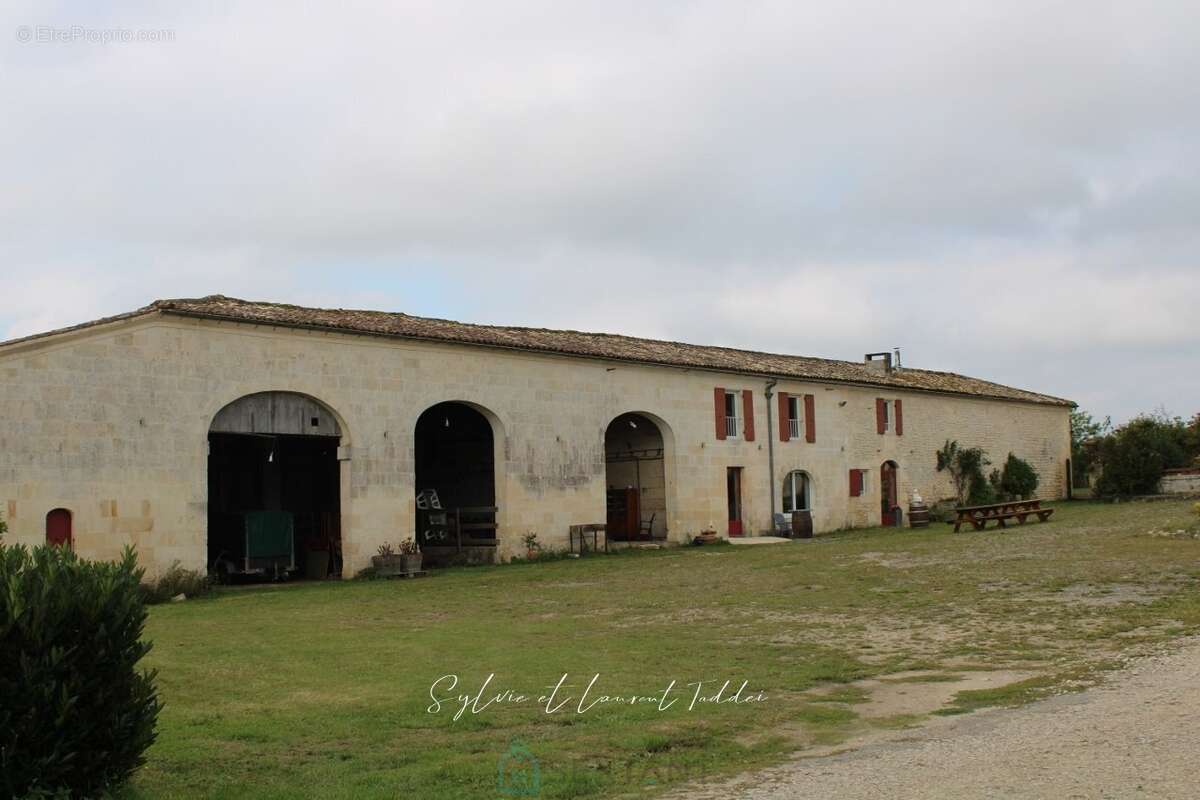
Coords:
887,416
866,481
807,490
732,424
795,419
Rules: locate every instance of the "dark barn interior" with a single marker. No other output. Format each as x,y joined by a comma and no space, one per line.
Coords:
455,457
299,475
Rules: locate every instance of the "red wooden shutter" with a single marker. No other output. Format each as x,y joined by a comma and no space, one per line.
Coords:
856,482
785,423
899,417
879,418
719,409
748,413
810,418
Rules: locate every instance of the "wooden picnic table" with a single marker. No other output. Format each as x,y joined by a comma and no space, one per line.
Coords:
1020,510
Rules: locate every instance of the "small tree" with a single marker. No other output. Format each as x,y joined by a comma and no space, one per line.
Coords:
1019,478
965,465
76,714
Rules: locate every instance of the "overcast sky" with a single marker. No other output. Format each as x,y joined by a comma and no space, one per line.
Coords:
1010,191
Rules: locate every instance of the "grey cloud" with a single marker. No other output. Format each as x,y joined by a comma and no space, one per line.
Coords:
1002,190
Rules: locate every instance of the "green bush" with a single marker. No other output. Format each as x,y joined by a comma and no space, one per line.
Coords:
176,581
1133,457
1019,479
76,715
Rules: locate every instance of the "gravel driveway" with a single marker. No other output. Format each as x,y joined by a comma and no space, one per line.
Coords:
1136,737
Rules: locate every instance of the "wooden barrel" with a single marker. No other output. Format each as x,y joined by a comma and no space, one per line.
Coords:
802,527
918,515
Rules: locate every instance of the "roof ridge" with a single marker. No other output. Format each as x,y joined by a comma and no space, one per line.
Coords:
585,344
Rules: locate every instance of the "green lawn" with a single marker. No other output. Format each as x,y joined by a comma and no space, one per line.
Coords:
322,690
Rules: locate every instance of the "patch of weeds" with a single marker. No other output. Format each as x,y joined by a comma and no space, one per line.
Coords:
1012,695
655,743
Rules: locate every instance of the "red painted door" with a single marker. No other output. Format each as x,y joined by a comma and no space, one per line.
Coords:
887,493
58,527
733,485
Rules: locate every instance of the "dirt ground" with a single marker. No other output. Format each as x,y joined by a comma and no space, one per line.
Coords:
1133,737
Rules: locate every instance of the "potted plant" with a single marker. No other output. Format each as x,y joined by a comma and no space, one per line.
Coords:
410,557
388,562
707,536
532,547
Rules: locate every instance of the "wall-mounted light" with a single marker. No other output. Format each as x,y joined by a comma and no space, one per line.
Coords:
447,422
632,424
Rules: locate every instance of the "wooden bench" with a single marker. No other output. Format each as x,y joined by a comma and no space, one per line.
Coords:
1020,510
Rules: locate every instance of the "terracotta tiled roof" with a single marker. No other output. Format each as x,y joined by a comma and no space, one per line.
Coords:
588,345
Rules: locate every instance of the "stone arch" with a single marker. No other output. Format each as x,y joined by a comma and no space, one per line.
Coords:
798,491
278,487
639,476
459,455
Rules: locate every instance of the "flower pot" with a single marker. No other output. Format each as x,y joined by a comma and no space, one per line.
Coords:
387,566
411,563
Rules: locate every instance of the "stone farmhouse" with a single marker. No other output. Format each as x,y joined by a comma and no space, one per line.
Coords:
170,426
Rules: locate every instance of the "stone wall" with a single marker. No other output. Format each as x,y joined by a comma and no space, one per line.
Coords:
111,423
1180,481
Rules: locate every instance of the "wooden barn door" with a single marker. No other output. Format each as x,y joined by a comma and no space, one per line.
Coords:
887,493
58,527
733,485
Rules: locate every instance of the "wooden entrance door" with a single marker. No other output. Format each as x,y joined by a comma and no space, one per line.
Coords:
887,493
733,486
58,527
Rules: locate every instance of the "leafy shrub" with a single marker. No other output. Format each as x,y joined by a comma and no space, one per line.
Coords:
76,715
1019,479
176,581
1134,456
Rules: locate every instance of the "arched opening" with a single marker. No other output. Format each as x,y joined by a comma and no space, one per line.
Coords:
635,474
455,462
274,488
58,528
888,493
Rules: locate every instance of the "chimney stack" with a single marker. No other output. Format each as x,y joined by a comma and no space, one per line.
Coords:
878,362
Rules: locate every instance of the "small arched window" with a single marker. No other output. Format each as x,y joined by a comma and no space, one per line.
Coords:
797,492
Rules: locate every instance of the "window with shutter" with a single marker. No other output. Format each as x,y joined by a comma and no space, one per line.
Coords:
785,417
719,411
810,418
748,414
899,417
856,482
880,416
